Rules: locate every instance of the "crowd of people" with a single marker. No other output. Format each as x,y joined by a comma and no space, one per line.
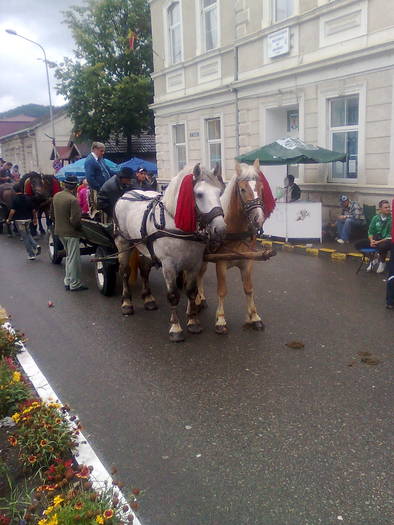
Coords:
8,172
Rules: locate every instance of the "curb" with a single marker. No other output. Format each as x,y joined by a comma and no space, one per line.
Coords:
303,249
84,453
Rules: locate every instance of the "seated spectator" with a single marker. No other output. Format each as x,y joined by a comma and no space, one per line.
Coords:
379,237
15,173
144,181
351,216
114,188
83,197
390,276
5,173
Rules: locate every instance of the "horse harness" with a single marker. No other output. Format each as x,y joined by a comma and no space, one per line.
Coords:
148,239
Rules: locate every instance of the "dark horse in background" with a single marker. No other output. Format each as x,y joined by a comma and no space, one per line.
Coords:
7,194
41,188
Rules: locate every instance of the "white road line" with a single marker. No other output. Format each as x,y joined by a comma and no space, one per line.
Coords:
84,453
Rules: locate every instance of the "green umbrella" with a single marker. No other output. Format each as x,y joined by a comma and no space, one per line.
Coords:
291,151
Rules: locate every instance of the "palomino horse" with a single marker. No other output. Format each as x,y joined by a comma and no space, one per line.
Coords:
7,195
244,215
167,232
41,188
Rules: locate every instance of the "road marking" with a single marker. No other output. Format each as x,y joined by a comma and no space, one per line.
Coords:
84,453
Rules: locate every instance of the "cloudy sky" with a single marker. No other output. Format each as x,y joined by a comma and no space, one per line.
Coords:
23,78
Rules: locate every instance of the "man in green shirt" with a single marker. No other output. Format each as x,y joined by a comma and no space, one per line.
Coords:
67,215
379,236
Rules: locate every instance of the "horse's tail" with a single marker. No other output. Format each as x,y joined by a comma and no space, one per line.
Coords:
133,264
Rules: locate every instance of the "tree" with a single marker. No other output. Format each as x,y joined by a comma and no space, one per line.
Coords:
107,84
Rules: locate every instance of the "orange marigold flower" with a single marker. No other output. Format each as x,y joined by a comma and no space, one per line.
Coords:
58,420
43,443
84,472
78,505
108,514
12,441
32,459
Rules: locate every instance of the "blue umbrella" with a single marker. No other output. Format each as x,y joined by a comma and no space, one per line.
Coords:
78,169
135,163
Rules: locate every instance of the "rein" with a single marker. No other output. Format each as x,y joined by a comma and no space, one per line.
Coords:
162,231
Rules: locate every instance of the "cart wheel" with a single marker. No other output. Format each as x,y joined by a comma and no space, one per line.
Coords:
55,248
105,273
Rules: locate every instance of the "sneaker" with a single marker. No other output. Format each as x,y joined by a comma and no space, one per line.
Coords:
370,267
38,249
341,241
381,267
31,257
80,288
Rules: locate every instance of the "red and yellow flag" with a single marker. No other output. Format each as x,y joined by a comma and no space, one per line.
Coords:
132,37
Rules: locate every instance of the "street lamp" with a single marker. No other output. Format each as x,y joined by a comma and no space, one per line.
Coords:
13,32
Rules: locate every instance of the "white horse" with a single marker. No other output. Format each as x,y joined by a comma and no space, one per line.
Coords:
178,252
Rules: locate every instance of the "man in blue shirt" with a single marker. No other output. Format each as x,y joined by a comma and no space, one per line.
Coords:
96,170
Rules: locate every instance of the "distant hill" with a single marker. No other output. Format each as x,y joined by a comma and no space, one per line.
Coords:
32,110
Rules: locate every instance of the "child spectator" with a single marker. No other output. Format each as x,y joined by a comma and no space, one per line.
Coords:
83,197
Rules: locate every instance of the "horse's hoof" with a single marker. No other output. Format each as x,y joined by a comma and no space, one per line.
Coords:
221,329
176,337
150,305
127,310
258,325
194,328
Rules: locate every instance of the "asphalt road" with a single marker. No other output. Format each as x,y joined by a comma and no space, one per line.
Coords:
226,430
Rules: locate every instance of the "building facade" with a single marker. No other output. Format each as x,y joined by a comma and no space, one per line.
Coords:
31,147
233,75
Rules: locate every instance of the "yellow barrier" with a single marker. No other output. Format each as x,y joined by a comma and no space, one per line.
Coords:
312,251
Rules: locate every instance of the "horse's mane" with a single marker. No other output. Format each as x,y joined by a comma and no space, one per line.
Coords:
171,193
247,173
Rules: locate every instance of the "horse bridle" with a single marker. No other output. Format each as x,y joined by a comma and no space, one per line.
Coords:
204,219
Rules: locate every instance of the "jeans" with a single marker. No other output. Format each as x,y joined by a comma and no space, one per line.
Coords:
23,227
344,227
73,262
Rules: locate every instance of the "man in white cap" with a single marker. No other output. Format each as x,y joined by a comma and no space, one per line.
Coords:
351,216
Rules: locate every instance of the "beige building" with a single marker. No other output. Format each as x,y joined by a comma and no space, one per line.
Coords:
31,148
233,75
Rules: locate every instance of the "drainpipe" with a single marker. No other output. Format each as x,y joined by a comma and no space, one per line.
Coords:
236,101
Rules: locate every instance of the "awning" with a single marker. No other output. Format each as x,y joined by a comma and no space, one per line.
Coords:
291,151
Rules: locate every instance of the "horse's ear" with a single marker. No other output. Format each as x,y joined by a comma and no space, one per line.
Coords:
256,165
196,171
238,168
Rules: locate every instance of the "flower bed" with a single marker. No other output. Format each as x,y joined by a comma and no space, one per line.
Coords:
41,482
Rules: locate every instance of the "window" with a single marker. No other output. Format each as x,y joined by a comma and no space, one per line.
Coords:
210,24
214,141
283,9
179,143
175,33
344,120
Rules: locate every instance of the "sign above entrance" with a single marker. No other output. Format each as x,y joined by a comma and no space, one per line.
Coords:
278,43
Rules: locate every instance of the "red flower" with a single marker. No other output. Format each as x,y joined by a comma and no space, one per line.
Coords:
78,505
12,441
136,491
108,514
84,472
32,459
